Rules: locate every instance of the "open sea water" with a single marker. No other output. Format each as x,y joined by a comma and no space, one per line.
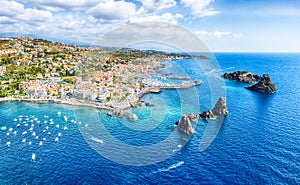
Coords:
258,143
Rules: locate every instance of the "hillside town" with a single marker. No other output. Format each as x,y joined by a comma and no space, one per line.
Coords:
36,69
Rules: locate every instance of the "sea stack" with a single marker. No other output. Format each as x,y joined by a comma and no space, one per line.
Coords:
265,85
185,126
220,109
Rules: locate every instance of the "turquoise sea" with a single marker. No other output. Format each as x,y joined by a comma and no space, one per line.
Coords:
258,142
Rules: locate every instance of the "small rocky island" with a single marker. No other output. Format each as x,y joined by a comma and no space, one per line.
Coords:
184,124
241,76
265,85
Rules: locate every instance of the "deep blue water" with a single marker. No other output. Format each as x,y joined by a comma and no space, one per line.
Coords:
258,143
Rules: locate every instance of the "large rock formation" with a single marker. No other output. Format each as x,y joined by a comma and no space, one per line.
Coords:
185,126
220,109
241,76
265,85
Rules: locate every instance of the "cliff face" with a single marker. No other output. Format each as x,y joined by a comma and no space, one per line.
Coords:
185,126
265,85
241,76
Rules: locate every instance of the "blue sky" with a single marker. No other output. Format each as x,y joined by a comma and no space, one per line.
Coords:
224,25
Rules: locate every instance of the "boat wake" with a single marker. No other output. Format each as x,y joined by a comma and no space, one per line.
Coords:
173,166
97,140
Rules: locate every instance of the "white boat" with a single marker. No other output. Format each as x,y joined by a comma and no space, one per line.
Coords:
47,127
7,133
8,143
29,142
33,134
56,139
59,134
57,126
86,125
33,156
44,139
30,129
36,137
25,132
58,113
15,120
18,125
10,129
41,143
72,121
15,132
51,122
79,122
65,128
23,140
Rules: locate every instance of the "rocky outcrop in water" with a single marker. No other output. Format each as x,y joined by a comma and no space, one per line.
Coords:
242,76
208,114
185,126
265,85
220,108
132,117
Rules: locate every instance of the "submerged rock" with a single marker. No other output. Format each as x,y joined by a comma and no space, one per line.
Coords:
118,113
265,85
148,104
241,76
132,117
185,126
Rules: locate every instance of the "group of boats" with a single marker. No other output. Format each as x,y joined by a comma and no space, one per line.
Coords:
36,131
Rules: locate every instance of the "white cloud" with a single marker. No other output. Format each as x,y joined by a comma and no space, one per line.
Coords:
58,5
166,17
113,10
13,11
217,34
200,8
155,5
10,8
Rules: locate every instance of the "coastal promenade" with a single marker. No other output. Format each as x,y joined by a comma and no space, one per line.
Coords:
128,103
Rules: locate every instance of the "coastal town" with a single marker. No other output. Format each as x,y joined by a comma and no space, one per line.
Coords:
37,69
